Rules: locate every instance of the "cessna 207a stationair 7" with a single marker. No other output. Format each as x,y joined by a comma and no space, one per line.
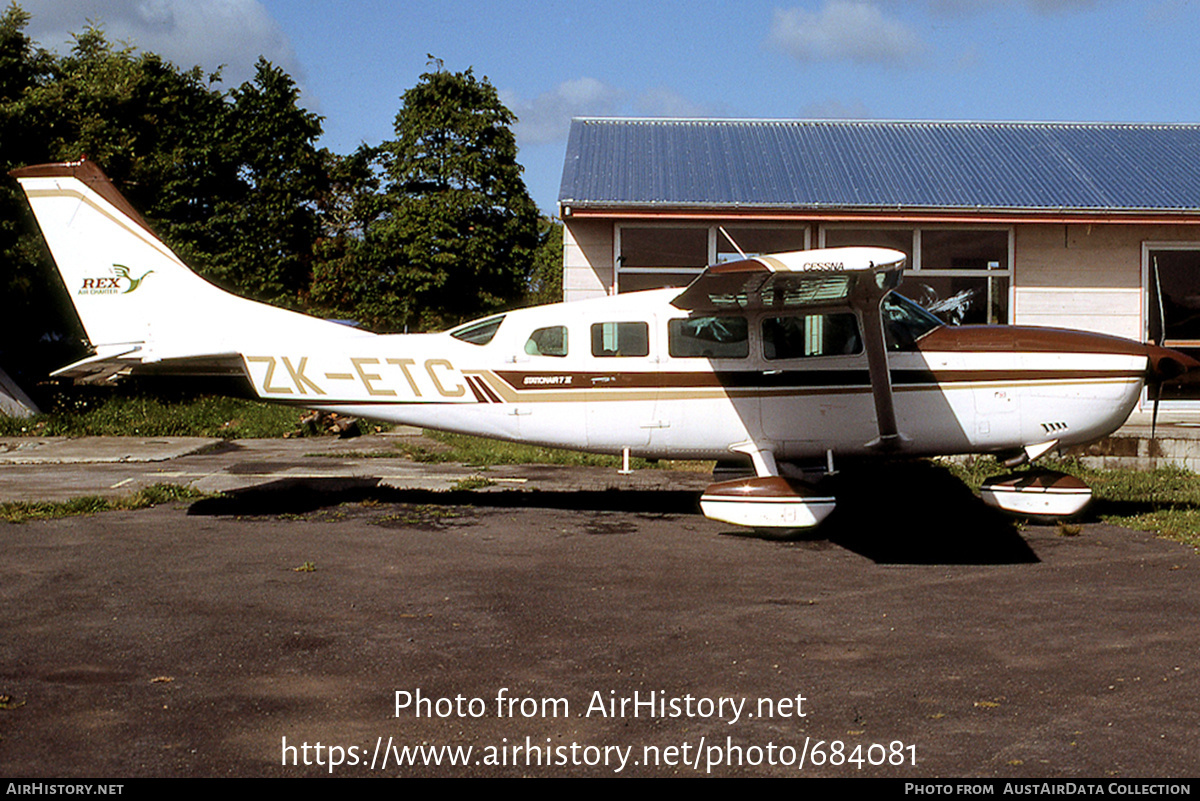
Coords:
788,359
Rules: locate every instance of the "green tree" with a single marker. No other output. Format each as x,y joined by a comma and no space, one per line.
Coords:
456,232
264,227
545,281
230,180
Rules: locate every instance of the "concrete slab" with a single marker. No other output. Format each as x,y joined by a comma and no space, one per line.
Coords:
98,450
56,469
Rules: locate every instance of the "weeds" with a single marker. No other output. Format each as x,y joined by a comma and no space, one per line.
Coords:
207,416
487,452
471,483
155,495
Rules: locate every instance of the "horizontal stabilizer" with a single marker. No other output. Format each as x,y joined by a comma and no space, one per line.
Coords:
107,367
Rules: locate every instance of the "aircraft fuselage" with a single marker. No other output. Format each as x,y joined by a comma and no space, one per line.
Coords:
631,371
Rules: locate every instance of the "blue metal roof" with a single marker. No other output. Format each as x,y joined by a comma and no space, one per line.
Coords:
824,164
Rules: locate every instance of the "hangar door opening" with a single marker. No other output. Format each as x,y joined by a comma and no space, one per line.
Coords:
1173,305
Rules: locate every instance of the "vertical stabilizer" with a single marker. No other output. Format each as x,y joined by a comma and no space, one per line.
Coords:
128,287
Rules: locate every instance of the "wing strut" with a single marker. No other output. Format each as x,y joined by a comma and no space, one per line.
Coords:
869,298
821,280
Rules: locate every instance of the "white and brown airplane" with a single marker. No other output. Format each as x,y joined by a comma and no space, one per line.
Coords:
791,360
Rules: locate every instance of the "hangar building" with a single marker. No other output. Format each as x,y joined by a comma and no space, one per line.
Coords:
1061,224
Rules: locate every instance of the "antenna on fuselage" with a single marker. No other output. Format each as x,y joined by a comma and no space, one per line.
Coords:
741,252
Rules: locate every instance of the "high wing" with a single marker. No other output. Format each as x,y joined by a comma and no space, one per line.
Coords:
857,279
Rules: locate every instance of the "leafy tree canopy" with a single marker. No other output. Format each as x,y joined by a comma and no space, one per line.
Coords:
423,231
230,179
454,232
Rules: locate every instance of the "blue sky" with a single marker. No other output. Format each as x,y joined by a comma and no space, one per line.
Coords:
1081,60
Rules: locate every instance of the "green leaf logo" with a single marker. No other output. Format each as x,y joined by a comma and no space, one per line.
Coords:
123,272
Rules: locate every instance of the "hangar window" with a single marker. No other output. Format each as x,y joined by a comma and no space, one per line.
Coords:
962,275
621,339
655,256
551,341
807,335
651,256
759,240
709,337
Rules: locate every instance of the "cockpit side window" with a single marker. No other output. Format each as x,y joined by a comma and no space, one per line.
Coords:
804,336
621,339
479,332
551,341
708,337
904,322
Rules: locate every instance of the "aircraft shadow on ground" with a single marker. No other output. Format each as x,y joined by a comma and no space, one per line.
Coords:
919,513
300,496
911,513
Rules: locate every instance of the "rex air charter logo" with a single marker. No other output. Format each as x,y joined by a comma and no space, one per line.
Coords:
121,282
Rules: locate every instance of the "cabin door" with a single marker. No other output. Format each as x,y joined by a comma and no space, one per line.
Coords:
623,391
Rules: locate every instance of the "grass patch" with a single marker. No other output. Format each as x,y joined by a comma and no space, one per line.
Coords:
471,483
486,452
155,495
1180,525
143,416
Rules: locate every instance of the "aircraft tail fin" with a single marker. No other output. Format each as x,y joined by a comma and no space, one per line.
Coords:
128,287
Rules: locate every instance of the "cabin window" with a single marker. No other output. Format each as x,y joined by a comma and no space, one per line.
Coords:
709,337
479,332
808,335
621,339
551,341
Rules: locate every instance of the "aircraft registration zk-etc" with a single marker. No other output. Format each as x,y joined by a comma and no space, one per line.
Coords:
791,360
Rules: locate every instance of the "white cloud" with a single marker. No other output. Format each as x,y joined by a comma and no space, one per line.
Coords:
547,117
208,33
844,30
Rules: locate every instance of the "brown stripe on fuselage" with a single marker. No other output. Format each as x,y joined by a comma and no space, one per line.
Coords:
472,382
1024,339
795,379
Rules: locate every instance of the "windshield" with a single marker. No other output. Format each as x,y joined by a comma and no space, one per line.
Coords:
905,322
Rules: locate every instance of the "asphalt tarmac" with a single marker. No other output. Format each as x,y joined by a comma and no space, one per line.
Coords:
313,620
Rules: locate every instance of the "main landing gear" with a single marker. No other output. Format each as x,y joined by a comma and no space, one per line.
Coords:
779,501
767,500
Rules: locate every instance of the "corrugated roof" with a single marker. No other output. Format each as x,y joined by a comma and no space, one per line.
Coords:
815,164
